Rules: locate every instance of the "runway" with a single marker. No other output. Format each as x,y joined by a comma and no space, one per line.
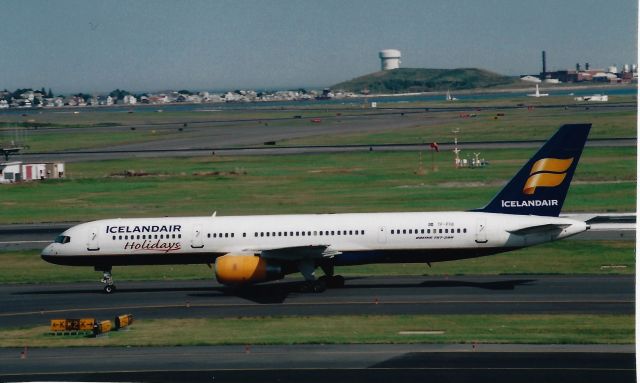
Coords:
322,363
30,305
158,149
249,136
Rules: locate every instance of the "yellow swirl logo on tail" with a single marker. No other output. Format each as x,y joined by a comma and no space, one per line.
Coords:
547,172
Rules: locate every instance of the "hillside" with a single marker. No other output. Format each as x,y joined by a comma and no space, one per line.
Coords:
406,80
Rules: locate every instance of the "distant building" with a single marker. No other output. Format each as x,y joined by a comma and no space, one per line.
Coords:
129,100
389,59
17,171
530,78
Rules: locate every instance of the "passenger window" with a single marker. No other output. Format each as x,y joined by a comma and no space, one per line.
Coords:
350,232
333,232
303,233
464,230
114,237
208,235
262,233
179,235
362,232
422,231
404,231
315,233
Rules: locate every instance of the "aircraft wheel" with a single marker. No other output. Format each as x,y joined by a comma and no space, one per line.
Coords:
109,289
337,281
319,286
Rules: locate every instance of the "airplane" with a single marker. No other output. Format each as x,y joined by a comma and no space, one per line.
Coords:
537,93
259,248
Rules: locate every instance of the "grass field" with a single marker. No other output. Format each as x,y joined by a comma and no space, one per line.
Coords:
52,141
487,126
531,329
313,183
564,257
514,124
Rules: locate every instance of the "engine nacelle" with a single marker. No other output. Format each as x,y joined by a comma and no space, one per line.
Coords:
244,269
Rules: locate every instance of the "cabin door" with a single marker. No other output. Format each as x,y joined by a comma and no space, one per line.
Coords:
196,238
481,230
382,235
92,241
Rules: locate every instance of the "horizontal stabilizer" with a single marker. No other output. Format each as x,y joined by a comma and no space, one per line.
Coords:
539,229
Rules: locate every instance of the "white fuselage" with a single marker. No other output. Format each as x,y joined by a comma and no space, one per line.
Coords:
351,238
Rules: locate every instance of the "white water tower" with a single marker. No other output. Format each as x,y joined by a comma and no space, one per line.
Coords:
390,59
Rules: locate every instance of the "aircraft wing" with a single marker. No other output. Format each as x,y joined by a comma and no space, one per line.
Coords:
538,229
297,252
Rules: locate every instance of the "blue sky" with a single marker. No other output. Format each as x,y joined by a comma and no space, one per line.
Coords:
97,46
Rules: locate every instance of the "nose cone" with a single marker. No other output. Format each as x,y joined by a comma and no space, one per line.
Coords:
49,252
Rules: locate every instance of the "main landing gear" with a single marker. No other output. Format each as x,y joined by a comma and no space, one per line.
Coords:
109,287
307,269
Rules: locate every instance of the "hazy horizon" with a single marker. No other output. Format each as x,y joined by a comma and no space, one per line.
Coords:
90,46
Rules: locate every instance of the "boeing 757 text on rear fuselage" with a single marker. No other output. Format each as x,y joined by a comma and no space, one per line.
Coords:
252,249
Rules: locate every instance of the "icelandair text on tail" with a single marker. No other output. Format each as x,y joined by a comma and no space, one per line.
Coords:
535,202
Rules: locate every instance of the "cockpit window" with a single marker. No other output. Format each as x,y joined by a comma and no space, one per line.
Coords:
63,239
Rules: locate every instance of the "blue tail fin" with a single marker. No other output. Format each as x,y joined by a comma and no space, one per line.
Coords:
540,187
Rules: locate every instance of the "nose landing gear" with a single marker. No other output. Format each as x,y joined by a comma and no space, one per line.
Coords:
109,287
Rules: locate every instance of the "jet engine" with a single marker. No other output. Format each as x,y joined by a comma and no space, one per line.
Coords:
237,269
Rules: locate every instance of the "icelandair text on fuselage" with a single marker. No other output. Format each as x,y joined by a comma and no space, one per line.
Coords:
143,229
536,202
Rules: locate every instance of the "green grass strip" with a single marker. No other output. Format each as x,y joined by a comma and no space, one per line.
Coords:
530,329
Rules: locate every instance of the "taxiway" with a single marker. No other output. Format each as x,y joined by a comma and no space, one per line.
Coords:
29,305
